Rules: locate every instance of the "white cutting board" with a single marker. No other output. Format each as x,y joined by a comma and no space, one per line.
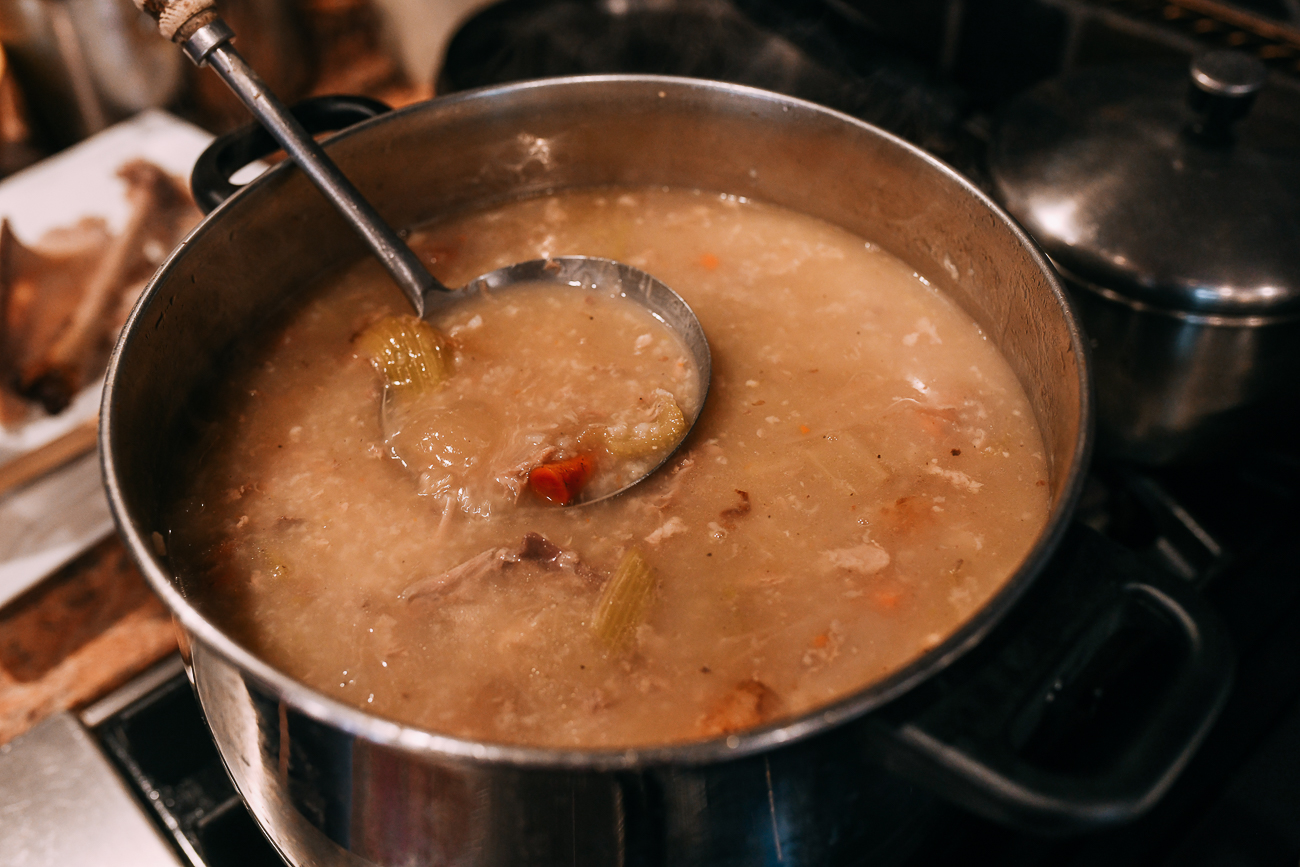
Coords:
50,522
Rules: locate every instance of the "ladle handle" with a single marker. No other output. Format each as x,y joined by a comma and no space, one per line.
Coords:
206,40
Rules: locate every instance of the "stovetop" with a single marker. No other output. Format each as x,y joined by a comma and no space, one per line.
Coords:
1227,527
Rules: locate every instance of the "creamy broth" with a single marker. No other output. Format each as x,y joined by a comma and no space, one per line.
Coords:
866,472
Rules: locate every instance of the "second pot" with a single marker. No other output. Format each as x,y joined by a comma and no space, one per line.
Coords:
1170,203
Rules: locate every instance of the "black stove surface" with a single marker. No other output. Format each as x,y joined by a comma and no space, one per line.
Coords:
162,746
1225,527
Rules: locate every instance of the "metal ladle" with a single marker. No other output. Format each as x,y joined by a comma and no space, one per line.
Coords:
205,39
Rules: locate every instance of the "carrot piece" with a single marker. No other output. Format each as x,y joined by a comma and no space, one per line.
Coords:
887,600
744,706
709,262
559,482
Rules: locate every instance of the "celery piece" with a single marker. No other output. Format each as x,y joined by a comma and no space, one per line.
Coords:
624,600
847,458
410,354
641,438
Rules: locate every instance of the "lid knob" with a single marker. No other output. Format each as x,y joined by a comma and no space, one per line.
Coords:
1224,84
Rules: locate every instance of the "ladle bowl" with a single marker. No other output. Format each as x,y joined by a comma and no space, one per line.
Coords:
612,278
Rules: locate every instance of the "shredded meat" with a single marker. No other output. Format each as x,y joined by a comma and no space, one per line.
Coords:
907,515
674,483
672,527
472,570
824,647
537,547
865,559
745,705
727,518
459,581
514,477
957,477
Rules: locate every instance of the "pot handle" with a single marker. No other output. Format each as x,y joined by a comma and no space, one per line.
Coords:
210,179
1081,709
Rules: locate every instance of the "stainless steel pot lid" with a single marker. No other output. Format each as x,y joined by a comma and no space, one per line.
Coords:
1149,182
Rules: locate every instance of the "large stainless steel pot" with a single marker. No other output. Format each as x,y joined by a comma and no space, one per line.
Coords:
332,785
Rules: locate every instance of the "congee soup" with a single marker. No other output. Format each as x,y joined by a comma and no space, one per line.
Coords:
376,506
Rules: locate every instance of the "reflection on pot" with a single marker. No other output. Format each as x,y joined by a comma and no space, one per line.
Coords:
1177,386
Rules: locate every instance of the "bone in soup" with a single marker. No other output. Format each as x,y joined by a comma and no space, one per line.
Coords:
865,474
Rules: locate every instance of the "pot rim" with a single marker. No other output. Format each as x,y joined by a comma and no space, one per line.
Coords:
1191,317
411,739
